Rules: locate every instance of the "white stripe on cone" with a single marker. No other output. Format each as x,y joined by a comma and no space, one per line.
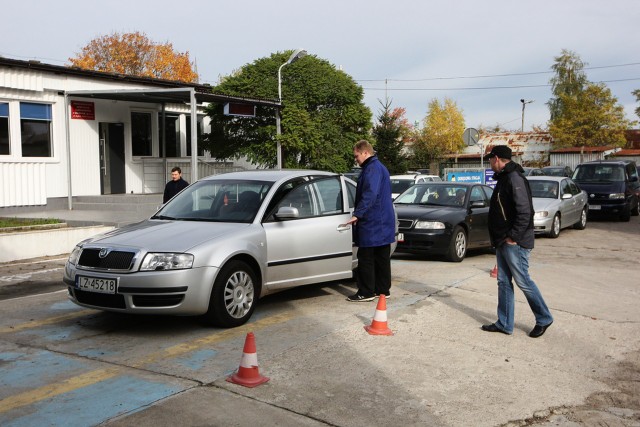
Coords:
380,316
249,360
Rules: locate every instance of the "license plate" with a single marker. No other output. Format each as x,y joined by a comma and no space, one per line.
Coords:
96,284
595,207
400,237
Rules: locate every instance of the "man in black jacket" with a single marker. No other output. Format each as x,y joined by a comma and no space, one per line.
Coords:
511,231
176,185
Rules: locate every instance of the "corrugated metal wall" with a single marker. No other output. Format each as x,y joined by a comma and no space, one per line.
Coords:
23,184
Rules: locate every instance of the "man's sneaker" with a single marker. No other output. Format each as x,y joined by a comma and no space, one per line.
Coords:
386,296
359,298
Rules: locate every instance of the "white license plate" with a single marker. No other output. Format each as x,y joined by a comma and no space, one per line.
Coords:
96,284
594,207
400,237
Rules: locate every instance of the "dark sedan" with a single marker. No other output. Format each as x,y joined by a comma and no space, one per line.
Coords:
443,218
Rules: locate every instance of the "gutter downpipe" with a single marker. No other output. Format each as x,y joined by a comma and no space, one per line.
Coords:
194,136
68,138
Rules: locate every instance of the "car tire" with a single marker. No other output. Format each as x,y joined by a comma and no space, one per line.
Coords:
457,245
636,210
582,223
234,295
625,216
555,227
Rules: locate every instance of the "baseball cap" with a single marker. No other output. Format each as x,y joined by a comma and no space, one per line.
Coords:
501,151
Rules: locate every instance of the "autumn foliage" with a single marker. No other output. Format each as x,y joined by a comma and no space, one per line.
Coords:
136,55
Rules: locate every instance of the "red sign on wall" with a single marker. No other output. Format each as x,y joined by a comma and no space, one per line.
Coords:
83,110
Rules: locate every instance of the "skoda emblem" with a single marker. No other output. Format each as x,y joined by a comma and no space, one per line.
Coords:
103,253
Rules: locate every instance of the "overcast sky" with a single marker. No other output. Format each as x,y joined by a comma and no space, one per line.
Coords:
486,55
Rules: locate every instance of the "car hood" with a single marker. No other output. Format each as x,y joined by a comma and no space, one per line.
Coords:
543,204
424,212
165,236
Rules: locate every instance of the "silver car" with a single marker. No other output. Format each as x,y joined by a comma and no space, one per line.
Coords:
219,245
559,203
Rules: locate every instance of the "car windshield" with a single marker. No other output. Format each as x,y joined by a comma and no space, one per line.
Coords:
217,200
598,173
433,194
544,189
554,171
398,185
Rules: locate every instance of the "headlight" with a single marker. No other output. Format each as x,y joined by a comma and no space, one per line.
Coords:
75,255
429,225
616,196
166,261
540,215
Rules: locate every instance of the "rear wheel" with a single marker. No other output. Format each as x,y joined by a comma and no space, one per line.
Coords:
625,216
636,211
582,223
555,227
234,295
458,245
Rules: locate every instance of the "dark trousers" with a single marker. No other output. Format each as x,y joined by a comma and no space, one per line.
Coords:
374,270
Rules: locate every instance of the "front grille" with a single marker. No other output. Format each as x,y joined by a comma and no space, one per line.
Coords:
404,224
115,260
156,300
99,300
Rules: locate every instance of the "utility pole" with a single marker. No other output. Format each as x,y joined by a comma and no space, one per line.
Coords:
523,104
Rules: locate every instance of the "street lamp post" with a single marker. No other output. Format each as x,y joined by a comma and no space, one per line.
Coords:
523,104
297,54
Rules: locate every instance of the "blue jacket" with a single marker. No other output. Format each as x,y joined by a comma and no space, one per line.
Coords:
376,224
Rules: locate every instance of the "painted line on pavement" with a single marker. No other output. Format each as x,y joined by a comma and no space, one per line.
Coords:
52,390
47,321
27,276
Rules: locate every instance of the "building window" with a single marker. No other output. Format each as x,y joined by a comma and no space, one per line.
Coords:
198,135
35,127
4,128
141,137
172,133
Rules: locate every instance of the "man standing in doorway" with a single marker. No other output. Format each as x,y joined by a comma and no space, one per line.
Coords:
374,225
511,231
176,185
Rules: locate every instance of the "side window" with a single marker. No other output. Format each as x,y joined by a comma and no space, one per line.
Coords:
574,188
141,134
300,198
566,189
329,195
488,191
351,193
477,195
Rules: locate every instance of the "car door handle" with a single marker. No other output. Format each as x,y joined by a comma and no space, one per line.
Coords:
344,227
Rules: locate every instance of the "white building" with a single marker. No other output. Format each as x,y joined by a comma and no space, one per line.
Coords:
68,132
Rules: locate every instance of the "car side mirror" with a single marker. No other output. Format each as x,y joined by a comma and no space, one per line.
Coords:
287,212
477,204
566,196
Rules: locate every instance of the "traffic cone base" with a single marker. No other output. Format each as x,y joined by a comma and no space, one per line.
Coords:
494,272
248,374
379,323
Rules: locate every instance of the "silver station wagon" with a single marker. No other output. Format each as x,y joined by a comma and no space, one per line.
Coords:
219,245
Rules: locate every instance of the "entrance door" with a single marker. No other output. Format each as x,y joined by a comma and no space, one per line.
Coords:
112,158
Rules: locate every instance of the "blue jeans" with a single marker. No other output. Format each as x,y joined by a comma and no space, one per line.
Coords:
513,264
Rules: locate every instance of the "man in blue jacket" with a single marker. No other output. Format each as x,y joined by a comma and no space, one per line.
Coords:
511,232
373,224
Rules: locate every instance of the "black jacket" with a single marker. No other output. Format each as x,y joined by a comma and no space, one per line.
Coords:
511,209
172,188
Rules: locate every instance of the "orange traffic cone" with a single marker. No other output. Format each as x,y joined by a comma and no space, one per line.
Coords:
494,272
379,323
248,374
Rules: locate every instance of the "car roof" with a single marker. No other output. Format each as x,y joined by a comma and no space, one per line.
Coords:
608,162
268,174
451,183
547,178
406,176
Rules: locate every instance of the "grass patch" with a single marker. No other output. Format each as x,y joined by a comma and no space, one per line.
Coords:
21,222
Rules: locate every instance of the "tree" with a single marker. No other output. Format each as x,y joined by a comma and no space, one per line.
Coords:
592,118
441,133
636,93
323,115
583,113
389,133
135,55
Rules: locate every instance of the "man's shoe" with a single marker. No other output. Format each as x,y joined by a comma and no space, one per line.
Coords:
538,331
493,328
359,298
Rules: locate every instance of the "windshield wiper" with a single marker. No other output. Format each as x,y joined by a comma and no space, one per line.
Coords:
162,217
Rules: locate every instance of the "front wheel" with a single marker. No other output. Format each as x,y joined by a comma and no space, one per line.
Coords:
555,227
458,245
582,223
233,296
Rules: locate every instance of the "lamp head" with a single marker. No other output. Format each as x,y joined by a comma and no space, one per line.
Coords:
297,54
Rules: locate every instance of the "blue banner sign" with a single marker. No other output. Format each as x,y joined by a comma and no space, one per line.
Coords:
465,176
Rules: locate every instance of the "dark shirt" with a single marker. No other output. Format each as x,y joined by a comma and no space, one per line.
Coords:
511,209
172,188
